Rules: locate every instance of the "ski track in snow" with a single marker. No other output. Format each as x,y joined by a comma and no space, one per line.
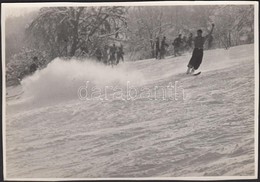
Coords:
210,133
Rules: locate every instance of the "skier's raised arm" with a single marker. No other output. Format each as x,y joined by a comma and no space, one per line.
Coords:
207,36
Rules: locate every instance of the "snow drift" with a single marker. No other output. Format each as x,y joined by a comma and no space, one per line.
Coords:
61,79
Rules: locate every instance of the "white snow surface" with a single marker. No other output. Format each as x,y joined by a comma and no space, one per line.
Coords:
50,133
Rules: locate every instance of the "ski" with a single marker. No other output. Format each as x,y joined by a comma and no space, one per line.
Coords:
196,74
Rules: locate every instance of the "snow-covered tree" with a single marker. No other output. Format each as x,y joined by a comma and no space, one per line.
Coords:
234,25
145,24
64,31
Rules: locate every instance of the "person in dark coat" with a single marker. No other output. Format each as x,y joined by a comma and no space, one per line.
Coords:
197,54
163,48
157,48
119,54
177,45
112,54
98,54
184,44
105,55
34,66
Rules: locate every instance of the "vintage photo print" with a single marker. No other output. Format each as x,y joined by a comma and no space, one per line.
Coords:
130,90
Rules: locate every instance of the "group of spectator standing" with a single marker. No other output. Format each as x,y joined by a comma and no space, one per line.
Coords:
160,48
110,55
180,45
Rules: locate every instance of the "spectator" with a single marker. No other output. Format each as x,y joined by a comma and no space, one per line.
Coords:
177,44
163,48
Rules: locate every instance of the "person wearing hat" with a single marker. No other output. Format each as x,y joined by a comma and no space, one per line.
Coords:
197,53
177,44
163,48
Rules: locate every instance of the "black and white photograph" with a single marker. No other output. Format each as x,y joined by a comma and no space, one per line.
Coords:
130,90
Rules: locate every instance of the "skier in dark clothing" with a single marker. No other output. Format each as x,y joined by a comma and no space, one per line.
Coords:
163,48
177,44
197,54
157,48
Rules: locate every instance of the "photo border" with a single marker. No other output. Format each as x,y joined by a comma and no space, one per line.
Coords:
152,3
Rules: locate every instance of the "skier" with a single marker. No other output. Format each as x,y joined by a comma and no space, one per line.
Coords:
176,44
163,48
197,54
157,48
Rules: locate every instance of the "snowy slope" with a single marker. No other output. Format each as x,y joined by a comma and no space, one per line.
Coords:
51,133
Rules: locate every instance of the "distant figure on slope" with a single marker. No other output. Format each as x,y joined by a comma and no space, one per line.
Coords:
119,54
34,66
157,48
197,54
184,44
112,55
98,54
163,48
105,54
177,45
189,42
